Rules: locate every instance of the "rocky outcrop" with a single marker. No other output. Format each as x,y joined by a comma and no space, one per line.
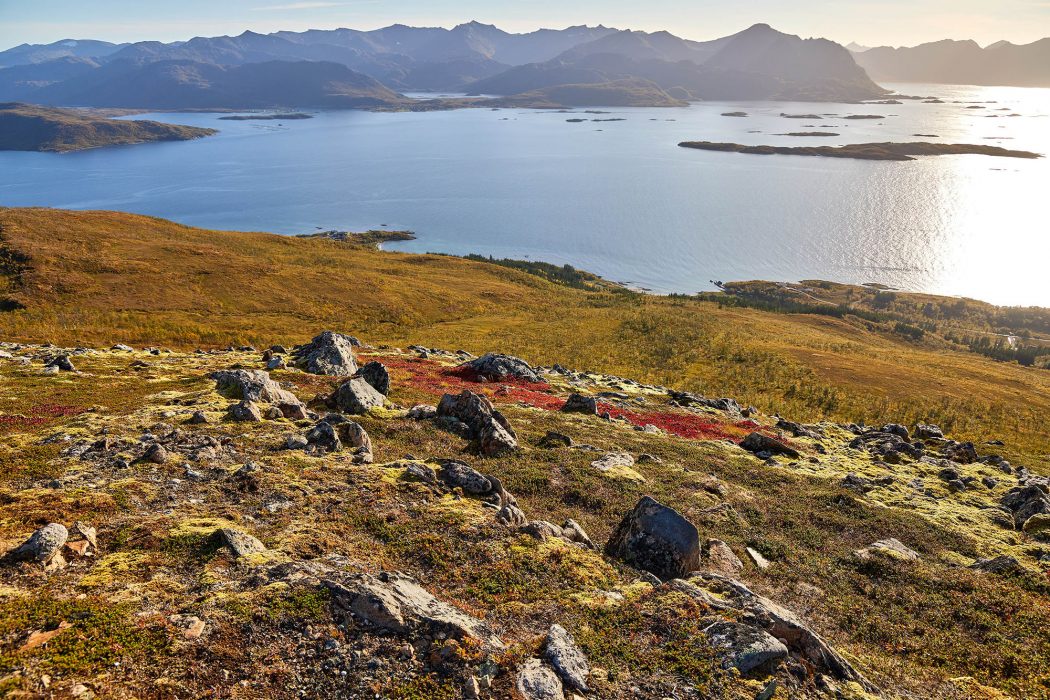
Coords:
1027,501
497,368
567,659
335,432
745,648
329,354
356,396
397,603
656,538
486,425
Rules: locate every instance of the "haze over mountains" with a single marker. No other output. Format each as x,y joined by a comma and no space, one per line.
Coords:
349,68
961,62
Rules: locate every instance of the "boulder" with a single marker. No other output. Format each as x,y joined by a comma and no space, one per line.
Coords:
43,547
961,452
574,532
757,559
554,439
487,425
356,396
924,431
567,659
245,412
251,385
1025,502
745,648
998,565
240,544
422,411
397,603
757,442
62,363
155,453
329,353
497,368
456,474
617,465
536,681
352,434
375,373
656,538
577,403
324,437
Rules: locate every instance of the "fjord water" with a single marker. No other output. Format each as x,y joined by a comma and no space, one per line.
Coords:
618,198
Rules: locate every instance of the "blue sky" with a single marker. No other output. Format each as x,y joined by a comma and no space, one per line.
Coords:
873,22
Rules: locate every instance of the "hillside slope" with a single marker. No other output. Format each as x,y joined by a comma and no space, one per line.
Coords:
33,128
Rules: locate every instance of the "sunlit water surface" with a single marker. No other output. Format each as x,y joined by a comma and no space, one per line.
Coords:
618,198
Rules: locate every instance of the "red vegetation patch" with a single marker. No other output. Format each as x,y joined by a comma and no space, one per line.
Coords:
686,425
38,415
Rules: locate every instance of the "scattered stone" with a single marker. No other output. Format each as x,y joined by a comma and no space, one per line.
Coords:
397,603
240,544
245,412
538,682
296,442
487,425
120,347
891,547
721,559
497,368
567,659
356,396
251,385
757,559
617,465
329,353
1025,502
573,532
422,412
757,443
62,363
198,418
998,565
646,458
746,648
928,432
375,373
459,475
276,362
656,538
577,403
43,547
156,453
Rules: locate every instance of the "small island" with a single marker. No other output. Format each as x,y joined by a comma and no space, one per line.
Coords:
267,117
734,114
808,133
865,151
25,127
864,116
373,238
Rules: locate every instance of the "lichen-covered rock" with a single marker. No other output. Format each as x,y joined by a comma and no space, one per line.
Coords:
997,565
251,385
745,648
240,544
329,353
924,431
891,547
567,659
496,368
377,376
536,681
356,396
487,425
722,559
577,403
574,532
43,547
656,538
1025,502
397,603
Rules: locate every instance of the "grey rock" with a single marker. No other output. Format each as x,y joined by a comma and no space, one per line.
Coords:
573,532
156,453
324,436
555,439
748,649
722,559
577,403
356,396
329,354
496,368
62,362
275,362
656,538
1025,501
42,547
537,681
997,565
240,544
422,412
567,659
245,412
198,418
890,546
377,376
292,411
612,460
397,603
296,442
251,385
757,442
456,474
488,426
928,432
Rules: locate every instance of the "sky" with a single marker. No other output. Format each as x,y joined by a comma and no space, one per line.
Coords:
867,22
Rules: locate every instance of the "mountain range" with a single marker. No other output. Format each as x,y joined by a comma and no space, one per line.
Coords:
960,62
374,69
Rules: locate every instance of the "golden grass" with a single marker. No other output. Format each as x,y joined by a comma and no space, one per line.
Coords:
102,277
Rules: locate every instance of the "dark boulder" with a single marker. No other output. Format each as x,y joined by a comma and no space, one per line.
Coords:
357,396
497,368
487,425
375,373
656,538
757,442
577,403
